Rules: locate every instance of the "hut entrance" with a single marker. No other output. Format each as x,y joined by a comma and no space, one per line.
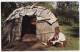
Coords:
28,26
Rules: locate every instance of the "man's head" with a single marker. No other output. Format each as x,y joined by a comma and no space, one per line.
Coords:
57,30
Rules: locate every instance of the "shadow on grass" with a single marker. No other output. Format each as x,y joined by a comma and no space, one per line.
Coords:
75,31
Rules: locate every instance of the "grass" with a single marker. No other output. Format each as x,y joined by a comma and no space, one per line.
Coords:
73,41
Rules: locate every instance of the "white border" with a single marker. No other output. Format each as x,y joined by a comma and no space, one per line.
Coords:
34,0
38,1
0,25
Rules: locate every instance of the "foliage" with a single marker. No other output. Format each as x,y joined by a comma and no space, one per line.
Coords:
6,9
68,11
46,5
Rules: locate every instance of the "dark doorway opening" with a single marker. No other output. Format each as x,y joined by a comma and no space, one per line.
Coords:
28,25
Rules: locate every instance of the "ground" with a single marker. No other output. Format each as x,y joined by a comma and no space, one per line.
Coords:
72,42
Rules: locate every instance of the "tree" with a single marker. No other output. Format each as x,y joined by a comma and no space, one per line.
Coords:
68,10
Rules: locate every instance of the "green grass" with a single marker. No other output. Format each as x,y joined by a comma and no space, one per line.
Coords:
72,41
73,45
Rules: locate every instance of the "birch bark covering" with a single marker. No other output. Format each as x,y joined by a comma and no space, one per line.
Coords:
37,10
43,29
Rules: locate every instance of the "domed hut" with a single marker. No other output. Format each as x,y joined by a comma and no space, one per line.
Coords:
19,23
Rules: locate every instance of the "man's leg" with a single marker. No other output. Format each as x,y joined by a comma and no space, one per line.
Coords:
58,44
62,43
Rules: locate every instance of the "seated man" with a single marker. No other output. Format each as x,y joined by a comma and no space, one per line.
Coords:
58,38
